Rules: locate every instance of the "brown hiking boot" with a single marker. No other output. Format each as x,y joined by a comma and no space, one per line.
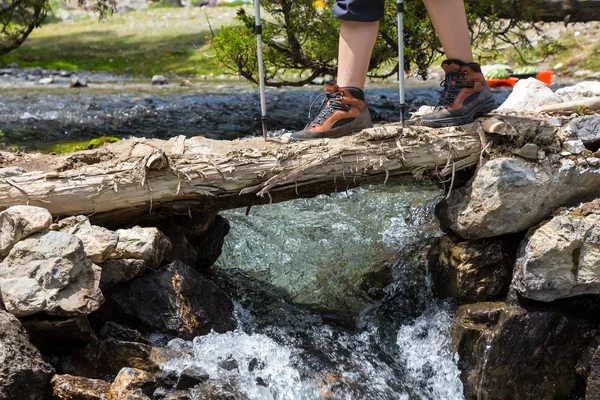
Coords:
342,112
466,95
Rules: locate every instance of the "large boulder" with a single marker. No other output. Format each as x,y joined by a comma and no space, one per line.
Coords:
148,244
69,387
528,95
512,195
174,300
561,257
23,373
49,272
98,242
48,334
18,222
517,353
473,270
117,271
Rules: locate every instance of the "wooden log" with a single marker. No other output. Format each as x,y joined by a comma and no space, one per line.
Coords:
134,177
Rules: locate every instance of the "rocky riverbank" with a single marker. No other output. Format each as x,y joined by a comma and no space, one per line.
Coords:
93,313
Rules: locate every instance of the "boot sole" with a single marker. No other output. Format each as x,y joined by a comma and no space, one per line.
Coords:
485,108
363,121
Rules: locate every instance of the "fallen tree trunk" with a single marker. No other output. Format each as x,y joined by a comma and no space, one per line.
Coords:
134,177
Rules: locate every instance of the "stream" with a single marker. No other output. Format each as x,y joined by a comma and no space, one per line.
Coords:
332,294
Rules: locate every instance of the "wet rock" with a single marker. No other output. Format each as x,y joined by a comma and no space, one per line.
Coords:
98,242
593,384
69,387
512,352
220,390
18,222
574,146
78,83
159,80
50,333
229,364
580,91
148,244
23,373
131,384
175,300
471,271
46,81
561,258
190,377
512,195
528,95
50,272
181,250
587,129
110,330
117,271
529,151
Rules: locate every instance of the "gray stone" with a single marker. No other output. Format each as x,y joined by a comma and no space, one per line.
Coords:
561,258
11,171
159,80
98,242
117,271
587,129
23,373
593,77
148,244
593,161
529,151
512,195
78,83
565,153
50,272
574,146
528,95
18,222
580,91
46,81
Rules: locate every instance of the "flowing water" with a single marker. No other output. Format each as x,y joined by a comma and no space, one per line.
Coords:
333,296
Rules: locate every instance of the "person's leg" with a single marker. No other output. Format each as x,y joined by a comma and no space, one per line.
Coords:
354,53
466,94
450,22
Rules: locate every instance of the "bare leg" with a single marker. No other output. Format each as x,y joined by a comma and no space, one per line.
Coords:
450,22
356,44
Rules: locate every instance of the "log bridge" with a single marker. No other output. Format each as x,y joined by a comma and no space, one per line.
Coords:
124,181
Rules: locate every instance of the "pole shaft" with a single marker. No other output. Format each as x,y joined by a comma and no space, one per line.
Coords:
400,10
261,72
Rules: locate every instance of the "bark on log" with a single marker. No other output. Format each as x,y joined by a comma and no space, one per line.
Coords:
134,177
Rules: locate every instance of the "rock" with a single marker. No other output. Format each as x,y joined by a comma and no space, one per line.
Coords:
65,74
46,81
186,83
471,271
593,387
593,77
159,80
512,195
587,129
593,161
23,373
528,95
558,66
49,333
69,387
49,272
175,300
117,271
98,242
148,244
209,244
181,250
580,91
18,222
11,171
574,146
517,353
126,383
78,83
560,258
190,377
529,151
110,330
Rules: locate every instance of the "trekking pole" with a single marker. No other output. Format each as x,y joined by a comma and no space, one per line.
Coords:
261,72
403,106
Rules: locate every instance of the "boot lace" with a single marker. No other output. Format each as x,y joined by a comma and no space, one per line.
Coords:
453,83
331,102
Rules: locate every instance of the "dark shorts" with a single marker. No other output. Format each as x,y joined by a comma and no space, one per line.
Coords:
359,10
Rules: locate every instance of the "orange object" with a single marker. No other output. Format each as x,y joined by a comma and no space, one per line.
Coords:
544,76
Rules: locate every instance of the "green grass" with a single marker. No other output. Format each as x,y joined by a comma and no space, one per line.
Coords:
168,41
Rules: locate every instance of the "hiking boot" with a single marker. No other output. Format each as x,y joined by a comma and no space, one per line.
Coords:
342,112
466,95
